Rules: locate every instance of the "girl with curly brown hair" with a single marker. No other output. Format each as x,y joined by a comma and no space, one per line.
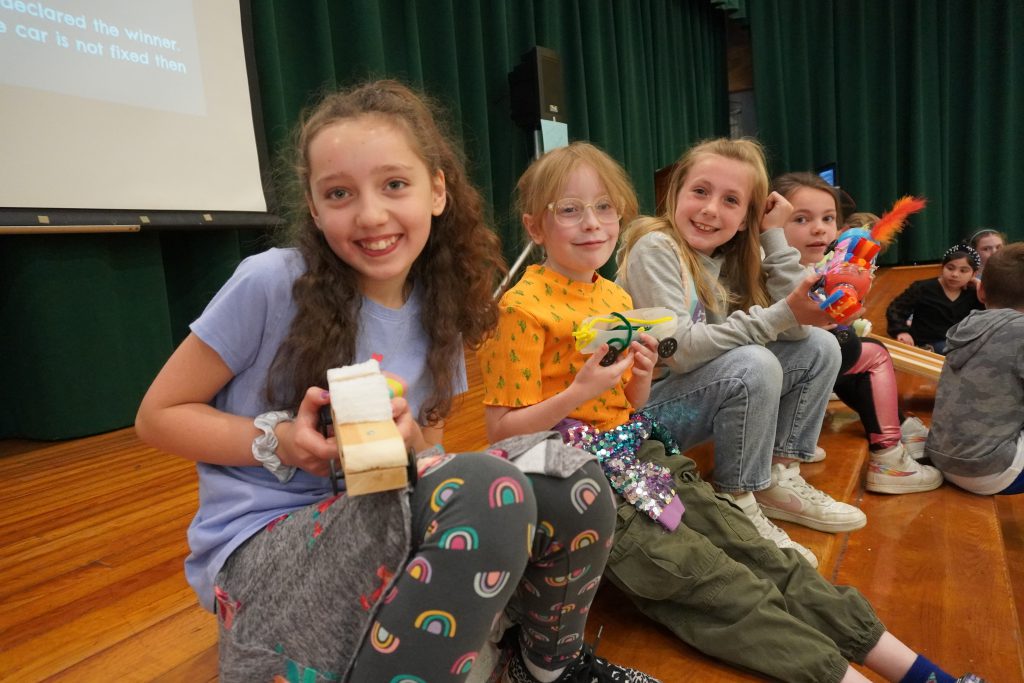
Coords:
393,261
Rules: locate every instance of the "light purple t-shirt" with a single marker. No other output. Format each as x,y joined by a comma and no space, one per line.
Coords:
245,323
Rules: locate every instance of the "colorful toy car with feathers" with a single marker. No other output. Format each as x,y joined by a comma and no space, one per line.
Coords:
846,270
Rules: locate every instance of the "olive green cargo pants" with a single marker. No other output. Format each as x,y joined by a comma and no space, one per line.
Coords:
733,595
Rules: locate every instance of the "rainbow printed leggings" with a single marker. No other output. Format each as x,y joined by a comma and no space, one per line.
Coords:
473,516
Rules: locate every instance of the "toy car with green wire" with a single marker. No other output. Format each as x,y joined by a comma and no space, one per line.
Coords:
618,330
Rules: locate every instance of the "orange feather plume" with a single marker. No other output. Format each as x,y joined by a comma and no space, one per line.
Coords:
892,222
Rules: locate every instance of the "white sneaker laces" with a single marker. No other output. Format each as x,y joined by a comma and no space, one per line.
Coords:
791,476
767,528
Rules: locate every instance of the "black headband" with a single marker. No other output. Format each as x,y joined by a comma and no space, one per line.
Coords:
972,256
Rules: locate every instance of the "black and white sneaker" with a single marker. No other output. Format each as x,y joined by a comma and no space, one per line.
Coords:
587,668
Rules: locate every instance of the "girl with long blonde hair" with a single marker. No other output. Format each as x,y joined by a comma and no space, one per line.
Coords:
752,370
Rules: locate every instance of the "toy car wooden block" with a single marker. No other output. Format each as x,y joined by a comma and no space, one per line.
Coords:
372,451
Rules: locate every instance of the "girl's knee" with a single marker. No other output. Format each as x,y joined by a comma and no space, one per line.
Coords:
479,480
875,355
825,348
592,494
756,366
477,467
583,500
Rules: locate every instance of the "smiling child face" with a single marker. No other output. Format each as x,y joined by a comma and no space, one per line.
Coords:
812,225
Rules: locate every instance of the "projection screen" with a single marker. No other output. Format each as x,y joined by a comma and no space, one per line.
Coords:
127,105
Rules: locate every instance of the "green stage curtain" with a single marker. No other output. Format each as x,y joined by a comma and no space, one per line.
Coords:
642,80
89,320
912,97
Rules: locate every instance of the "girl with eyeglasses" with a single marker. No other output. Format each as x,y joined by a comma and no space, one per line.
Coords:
687,557
572,202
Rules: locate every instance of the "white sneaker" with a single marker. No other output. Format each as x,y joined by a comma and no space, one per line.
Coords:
794,500
894,471
819,454
913,434
767,529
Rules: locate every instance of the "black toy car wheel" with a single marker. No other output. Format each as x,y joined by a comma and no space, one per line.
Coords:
610,357
667,347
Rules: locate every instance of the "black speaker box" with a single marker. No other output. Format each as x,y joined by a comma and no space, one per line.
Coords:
536,88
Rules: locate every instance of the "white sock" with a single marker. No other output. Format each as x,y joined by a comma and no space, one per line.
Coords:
542,675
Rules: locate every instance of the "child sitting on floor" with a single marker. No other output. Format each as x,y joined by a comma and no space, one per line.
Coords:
936,304
393,260
687,557
867,379
977,436
987,242
753,369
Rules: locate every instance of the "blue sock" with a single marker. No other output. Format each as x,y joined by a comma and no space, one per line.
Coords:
923,671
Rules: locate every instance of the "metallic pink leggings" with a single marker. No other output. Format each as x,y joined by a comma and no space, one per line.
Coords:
875,395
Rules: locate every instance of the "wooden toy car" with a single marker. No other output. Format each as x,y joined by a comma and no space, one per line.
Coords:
372,451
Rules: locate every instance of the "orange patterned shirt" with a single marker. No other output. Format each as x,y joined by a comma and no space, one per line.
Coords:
532,355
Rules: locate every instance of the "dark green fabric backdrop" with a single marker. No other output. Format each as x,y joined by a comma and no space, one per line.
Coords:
642,80
88,320
911,97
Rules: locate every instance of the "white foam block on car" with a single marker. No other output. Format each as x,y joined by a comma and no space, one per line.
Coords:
367,437
359,393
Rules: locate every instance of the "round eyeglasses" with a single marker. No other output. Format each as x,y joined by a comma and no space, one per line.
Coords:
570,211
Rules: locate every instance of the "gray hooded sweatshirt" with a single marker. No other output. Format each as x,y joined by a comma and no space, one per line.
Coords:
979,406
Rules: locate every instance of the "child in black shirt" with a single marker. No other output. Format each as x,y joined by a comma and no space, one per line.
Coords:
923,313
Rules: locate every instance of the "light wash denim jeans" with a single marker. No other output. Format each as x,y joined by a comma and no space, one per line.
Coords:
756,401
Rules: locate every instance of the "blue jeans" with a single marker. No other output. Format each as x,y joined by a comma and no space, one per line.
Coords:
750,399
